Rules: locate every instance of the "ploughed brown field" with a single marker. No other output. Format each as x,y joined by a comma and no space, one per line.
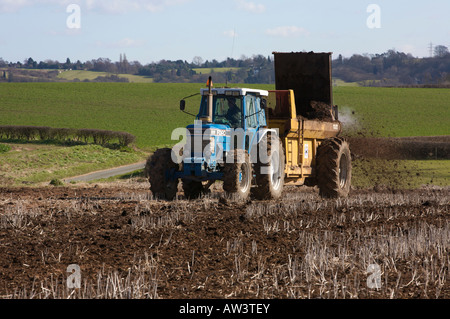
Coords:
301,246
385,243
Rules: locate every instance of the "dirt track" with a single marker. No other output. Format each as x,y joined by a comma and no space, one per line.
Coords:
128,246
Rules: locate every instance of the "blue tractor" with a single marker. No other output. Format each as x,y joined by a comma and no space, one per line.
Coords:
229,142
257,141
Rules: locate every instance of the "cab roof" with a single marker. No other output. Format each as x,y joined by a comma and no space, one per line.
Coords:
234,91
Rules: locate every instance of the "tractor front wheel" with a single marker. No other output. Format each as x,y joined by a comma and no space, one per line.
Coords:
157,169
238,174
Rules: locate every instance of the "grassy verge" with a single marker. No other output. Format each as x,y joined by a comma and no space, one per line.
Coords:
32,164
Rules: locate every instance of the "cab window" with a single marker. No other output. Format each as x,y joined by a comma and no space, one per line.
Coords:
226,110
251,111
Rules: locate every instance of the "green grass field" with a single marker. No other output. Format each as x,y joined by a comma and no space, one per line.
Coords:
150,111
396,112
90,75
339,82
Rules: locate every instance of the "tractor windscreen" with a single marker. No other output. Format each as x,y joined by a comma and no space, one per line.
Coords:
226,110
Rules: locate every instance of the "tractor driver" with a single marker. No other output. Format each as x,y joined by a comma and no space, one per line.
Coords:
234,113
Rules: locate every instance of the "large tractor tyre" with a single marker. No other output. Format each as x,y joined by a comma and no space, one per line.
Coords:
156,169
238,175
192,189
270,175
334,168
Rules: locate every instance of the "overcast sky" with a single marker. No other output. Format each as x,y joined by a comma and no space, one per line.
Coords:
151,30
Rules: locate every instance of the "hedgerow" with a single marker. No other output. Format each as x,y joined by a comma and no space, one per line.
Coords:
65,135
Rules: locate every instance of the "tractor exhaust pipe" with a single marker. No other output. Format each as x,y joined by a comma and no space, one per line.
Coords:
210,100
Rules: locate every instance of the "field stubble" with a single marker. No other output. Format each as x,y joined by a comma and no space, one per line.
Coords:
130,246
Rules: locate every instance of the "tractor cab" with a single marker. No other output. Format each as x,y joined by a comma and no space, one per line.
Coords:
228,119
234,107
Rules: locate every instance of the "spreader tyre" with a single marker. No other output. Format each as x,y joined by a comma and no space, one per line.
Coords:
334,168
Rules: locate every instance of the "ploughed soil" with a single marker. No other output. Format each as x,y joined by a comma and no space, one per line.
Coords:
130,246
377,243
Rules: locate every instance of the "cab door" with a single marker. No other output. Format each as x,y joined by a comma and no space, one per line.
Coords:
251,119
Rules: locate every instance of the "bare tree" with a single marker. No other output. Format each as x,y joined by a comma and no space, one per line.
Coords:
440,51
197,61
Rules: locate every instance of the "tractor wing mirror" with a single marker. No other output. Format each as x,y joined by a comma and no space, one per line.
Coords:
182,105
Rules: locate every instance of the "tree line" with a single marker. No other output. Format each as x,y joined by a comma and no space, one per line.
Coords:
394,68
391,68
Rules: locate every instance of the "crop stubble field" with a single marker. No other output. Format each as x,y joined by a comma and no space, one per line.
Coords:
302,246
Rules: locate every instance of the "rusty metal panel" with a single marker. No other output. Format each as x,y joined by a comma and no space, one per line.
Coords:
308,74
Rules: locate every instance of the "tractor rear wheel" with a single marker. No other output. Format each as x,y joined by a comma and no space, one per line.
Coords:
334,168
270,175
238,175
156,169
